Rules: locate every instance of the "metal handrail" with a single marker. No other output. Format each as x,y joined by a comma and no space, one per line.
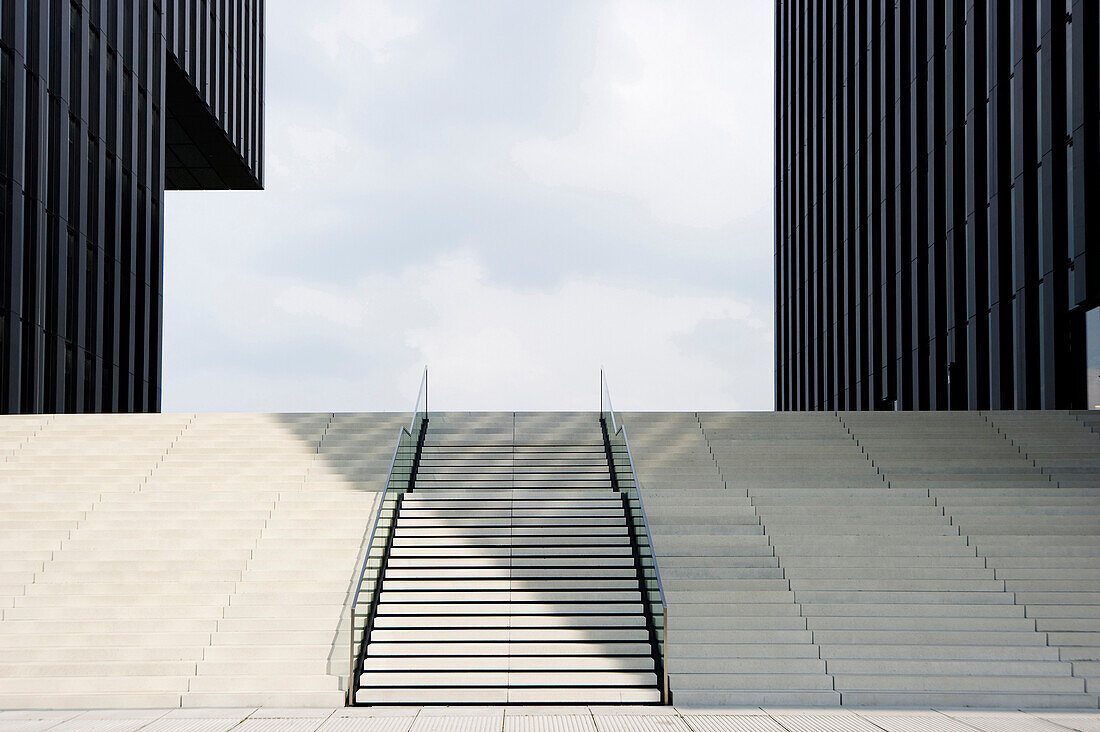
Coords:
411,432
422,392
619,430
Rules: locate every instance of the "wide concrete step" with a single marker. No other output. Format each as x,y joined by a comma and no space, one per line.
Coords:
428,677
509,695
574,663
532,645
990,700
475,587
538,607
845,667
513,620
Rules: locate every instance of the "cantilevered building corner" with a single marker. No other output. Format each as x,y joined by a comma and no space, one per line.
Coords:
104,105
214,97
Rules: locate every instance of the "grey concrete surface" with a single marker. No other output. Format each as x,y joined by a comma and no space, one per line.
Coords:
935,559
548,719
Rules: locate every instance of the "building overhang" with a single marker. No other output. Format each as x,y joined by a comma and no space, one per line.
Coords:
198,154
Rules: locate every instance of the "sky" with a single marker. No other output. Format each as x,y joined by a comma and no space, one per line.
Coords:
513,194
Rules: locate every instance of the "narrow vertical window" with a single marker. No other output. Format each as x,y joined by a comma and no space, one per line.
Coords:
93,82
92,227
71,293
90,290
74,172
76,26
111,133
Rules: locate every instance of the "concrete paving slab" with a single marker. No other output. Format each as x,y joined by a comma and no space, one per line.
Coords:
280,724
101,725
640,723
721,711
617,711
564,711
192,724
461,712
1073,720
550,723
238,713
1004,722
732,723
367,724
458,723
915,721
122,714
815,711
293,712
549,718
358,712
26,725
825,723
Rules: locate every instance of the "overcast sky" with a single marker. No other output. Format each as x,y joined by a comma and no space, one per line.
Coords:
513,193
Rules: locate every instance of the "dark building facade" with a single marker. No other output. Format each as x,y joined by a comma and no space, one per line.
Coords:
103,105
937,208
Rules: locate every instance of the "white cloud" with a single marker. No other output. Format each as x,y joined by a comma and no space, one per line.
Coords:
305,155
397,228
490,345
309,301
675,113
512,348
373,25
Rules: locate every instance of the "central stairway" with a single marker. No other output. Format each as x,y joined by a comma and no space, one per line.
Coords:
511,576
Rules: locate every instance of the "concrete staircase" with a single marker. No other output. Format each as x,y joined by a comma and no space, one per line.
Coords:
736,635
987,651
861,559
1046,545
163,560
903,554
511,577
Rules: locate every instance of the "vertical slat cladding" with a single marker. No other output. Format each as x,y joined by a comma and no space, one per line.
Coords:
936,241
998,183
851,168
899,304
781,176
935,162
1086,143
832,234
1023,212
81,186
803,181
797,180
258,111
872,291
974,277
816,205
884,281
1081,84
1050,183
858,313
917,353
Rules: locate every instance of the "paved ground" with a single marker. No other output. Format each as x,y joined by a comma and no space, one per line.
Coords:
547,719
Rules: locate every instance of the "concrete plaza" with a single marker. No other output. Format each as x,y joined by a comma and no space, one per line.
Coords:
548,719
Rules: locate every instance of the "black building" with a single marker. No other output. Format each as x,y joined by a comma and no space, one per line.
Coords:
103,105
937,203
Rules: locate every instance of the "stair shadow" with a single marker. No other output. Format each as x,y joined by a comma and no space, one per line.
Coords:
501,565
354,453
